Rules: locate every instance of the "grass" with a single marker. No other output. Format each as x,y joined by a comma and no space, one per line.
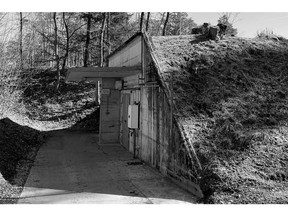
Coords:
48,110
27,115
231,98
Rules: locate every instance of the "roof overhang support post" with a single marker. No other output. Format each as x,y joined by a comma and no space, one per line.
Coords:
97,82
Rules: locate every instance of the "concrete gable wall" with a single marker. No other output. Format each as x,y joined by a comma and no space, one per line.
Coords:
128,56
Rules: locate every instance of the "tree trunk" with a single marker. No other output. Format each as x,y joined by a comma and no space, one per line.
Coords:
102,40
141,21
56,51
44,51
50,48
33,51
78,58
67,42
86,52
180,22
108,33
160,24
147,21
165,24
20,41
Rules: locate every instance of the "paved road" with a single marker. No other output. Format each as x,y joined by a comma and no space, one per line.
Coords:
72,168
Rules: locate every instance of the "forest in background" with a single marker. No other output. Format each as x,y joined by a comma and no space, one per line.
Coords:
37,41
236,100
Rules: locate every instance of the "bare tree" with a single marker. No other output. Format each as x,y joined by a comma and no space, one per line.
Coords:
159,26
231,17
108,33
20,41
141,21
86,51
165,24
9,73
56,50
102,40
67,41
68,37
147,21
180,22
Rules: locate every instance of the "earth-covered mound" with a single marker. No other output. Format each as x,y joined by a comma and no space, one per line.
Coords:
231,97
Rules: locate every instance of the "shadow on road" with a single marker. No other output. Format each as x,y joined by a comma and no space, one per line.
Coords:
71,167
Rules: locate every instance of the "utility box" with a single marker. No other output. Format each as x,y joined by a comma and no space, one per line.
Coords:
133,116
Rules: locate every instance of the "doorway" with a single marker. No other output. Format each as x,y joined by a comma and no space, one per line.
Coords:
124,121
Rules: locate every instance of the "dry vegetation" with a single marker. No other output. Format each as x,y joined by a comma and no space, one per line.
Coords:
231,97
34,103
47,109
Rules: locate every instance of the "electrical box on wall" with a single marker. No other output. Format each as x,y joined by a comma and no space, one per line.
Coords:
133,116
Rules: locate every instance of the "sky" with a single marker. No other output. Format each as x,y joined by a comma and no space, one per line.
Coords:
248,23
254,15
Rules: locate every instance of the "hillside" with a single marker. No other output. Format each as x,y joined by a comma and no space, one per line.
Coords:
40,110
232,99
47,109
230,96
18,148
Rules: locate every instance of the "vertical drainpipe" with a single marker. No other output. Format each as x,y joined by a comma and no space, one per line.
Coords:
97,98
171,121
141,87
100,119
152,122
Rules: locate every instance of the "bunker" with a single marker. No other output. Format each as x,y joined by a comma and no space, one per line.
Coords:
136,110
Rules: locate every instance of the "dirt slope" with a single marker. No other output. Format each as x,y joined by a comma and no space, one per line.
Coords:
232,98
18,147
44,110
47,109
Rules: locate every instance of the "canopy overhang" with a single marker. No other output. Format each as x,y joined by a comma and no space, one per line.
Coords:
86,73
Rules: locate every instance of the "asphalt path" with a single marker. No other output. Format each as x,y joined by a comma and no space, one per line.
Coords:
71,167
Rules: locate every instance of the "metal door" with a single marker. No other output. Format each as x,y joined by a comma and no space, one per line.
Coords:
124,121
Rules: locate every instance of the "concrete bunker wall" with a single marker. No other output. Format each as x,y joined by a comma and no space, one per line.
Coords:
159,141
